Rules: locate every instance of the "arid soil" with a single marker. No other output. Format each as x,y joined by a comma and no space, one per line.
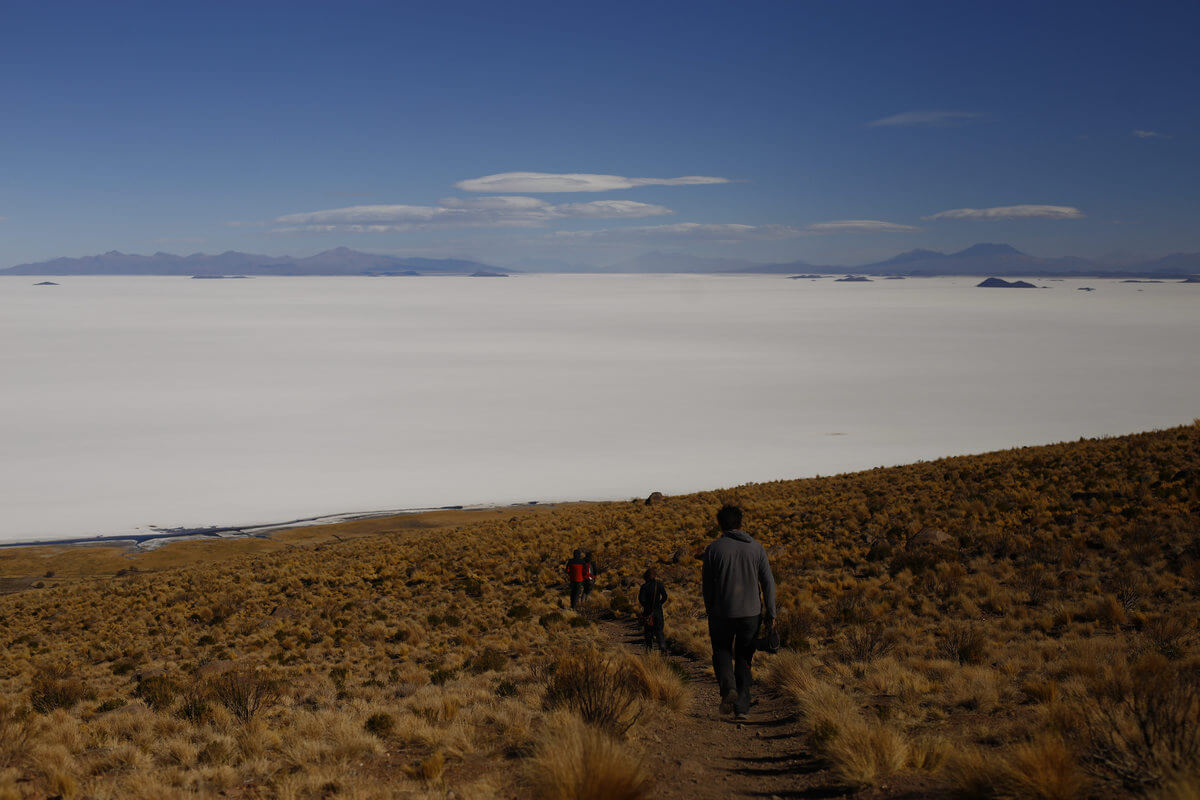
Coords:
703,754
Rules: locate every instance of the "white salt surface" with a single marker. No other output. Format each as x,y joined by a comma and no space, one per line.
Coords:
130,402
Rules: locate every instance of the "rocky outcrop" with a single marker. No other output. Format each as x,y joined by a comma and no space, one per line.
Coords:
655,498
1000,283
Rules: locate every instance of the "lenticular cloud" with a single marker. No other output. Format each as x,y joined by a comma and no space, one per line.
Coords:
1011,212
458,212
536,182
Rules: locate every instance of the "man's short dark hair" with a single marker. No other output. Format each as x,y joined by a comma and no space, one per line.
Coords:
729,518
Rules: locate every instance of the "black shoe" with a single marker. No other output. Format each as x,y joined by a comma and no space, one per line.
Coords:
741,716
728,701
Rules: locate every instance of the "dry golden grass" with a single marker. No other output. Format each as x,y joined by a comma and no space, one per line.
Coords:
658,681
577,761
990,660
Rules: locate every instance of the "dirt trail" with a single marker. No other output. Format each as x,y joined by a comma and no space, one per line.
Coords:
700,754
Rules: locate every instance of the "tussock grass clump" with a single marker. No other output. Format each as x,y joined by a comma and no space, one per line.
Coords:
860,750
428,769
57,687
244,692
863,751
1043,769
659,681
1170,636
380,724
15,731
963,643
1143,724
157,691
596,688
867,643
488,660
576,761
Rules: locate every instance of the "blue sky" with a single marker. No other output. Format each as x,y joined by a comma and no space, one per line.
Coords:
841,132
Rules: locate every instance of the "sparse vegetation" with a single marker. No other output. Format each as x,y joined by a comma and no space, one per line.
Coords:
1020,624
597,688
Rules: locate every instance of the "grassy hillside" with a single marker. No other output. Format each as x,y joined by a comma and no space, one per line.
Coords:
1014,624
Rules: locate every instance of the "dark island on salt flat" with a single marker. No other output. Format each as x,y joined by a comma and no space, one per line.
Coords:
805,277
46,283
853,279
1000,283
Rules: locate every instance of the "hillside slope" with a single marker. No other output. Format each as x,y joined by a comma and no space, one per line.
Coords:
977,625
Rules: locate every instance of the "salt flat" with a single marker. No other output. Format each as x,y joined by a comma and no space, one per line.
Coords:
131,402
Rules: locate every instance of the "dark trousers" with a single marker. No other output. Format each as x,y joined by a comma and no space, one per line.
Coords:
733,650
655,632
576,593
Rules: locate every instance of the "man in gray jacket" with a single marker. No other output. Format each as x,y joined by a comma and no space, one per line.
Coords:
735,570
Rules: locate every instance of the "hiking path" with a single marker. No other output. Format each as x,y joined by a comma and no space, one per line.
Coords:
700,753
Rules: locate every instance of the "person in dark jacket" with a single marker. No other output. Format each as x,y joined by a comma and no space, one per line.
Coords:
651,598
589,575
576,572
736,570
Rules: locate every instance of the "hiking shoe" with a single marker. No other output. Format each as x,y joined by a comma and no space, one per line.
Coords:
728,701
741,716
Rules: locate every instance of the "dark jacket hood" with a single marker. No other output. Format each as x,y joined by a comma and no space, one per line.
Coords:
740,535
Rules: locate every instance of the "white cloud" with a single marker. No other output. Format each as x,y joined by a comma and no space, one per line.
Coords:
1011,212
735,232
931,118
462,212
538,182
1141,134
860,226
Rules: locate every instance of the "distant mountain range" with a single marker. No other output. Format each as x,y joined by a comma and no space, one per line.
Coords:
341,261
979,259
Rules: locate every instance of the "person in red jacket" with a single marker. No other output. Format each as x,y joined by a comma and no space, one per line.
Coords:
576,575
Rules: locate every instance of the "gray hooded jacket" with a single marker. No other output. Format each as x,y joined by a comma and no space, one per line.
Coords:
735,567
